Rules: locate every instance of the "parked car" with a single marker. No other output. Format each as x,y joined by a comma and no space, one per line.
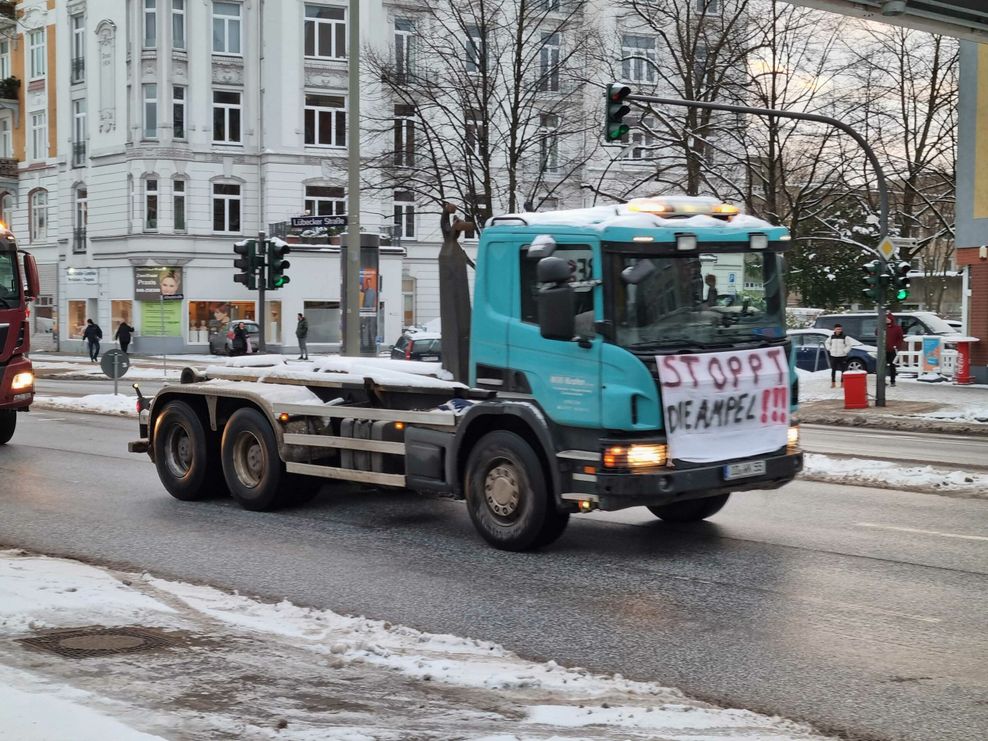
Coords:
221,343
861,325
958,326
418,343
811,355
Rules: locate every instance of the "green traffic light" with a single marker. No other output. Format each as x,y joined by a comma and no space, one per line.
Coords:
902,294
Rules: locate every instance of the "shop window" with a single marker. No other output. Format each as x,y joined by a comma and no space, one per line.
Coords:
273,322
76,319
324,321
207,318
120,311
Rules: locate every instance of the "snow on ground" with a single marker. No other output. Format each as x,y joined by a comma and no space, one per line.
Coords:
892,475
251,669
122,404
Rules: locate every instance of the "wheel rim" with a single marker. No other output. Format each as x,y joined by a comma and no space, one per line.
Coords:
855,365
248,459
502,492
178,451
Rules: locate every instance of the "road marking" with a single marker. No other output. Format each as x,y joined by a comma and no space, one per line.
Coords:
920,532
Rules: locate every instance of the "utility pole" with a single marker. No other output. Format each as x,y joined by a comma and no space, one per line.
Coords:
262,280
351,270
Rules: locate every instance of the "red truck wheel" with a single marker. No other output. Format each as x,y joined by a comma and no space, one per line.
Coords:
8,423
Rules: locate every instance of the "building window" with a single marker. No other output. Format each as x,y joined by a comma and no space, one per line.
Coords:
37,53
79,132
39,135
475,132
4,59
325,32
151,205
6,144
38,207
6,208
549,142
404,135
324,320
325,120
150,24
708,7
178,111
408,300
642,140
638,69
78,26
404,34
226,208
404,216
178,24
322,200
178,203
226,117
544,6
700,64
226,28
549,63
476,50
150,111
81,220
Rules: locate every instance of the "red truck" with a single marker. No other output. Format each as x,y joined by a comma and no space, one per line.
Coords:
18,285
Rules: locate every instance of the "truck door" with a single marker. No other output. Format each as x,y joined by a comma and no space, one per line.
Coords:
564,377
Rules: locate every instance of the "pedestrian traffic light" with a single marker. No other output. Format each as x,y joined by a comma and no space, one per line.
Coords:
615,110
246,263
900,279
871,277
277,264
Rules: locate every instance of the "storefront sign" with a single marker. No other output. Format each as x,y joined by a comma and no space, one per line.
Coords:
82,276
161,318
312,222
718,406
153,283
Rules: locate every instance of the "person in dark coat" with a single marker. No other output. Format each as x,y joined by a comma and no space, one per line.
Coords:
92,335
894,341
301,332
123,335
239,346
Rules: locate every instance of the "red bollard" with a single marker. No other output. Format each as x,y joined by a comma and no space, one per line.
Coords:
855,390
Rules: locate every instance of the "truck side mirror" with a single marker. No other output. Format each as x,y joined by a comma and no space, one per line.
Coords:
542,246
31,275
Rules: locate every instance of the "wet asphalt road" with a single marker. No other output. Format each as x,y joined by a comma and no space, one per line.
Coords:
862,611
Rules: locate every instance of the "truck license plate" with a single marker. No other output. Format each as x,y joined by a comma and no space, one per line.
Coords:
743,470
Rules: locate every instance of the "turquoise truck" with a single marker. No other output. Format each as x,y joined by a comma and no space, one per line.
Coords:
607,370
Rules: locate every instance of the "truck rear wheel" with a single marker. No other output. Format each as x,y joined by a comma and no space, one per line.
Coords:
692,510
252,467
507,497
181,454
8,423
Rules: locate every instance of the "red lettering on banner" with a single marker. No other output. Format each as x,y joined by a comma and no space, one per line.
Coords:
735,366
774,354
755,363
779,401
718,382
690,361
669,364
766,400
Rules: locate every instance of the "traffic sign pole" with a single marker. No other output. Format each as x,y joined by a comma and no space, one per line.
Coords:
262,280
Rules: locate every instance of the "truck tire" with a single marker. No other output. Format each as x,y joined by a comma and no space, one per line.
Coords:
254,472
8,423
181,454
692,510
506,494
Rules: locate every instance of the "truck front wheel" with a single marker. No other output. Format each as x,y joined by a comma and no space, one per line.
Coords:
507,496
181,454
692,510
8,423
251,465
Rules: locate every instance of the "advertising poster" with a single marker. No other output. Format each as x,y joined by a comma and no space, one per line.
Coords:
932,347
156,282
161,318
725,405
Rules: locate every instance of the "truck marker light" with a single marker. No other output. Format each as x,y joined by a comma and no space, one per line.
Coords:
22,380
785,238
793,438
725,209
283,418
647,456
758,242
614,457
589,470
643,239
399,425
585,505
685,242
649,206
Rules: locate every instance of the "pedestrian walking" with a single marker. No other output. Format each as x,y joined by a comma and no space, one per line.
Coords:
123,335
92,335
302,332
894,341
239,345
838,345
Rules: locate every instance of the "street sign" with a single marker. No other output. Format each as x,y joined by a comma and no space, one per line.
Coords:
114,363
308,222
887,248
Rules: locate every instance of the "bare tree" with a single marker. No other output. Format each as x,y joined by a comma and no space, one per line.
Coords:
488,103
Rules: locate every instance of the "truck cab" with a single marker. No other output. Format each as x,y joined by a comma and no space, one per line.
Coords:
16,375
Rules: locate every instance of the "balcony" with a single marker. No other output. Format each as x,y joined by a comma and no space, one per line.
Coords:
8,168
79,244
8,14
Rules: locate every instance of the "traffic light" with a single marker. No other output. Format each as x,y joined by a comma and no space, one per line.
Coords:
277,264
900,279
615,111
247,263
872,279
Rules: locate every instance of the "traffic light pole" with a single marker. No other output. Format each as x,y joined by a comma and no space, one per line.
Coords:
883,193
262,281
351,271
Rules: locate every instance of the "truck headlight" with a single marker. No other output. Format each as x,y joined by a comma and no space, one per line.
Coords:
793,439
22,380
636,456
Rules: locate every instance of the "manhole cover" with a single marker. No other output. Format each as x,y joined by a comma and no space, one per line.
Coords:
81,643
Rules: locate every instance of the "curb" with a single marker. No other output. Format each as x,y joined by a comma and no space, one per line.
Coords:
898,424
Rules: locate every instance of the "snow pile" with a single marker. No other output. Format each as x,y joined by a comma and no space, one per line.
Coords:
255,361
372,678
892,475
120,404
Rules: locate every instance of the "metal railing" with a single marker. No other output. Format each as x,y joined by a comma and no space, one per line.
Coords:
8,167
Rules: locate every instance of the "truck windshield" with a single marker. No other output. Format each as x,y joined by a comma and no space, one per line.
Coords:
693,302
10,296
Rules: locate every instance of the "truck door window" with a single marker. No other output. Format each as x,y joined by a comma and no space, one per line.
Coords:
580,258
8,279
